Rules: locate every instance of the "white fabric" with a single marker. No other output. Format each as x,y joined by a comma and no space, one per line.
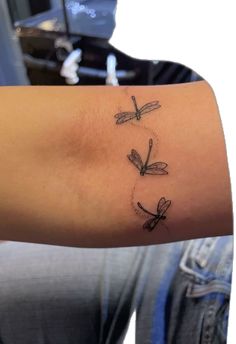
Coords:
201,35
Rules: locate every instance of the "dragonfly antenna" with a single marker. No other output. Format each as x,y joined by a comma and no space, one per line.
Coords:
149,152
136,107
145,210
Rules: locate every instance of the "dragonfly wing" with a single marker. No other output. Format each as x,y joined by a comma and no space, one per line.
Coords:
123,117
135,158
149,107
150,224
157,168
163,205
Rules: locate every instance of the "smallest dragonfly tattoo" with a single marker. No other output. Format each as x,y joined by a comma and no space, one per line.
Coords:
162,208
157,168
123,117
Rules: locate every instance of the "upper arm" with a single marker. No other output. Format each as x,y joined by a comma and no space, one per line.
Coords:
68,178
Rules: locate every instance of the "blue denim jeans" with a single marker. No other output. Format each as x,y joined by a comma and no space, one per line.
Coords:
58,295
200,307
191,303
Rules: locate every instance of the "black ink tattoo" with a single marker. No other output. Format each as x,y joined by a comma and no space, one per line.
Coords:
123,117
149,130
162,207
144,168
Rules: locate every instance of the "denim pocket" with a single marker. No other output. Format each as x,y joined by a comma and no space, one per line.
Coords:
206,268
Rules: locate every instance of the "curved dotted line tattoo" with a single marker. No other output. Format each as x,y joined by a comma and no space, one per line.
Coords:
134,203
152,132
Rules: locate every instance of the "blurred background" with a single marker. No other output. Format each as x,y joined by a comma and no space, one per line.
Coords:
59,42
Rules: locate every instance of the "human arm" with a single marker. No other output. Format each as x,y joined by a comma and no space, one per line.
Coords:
65,177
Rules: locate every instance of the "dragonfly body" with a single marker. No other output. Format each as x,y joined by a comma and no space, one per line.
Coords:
143,170
137,112
162,207
155,168
126,116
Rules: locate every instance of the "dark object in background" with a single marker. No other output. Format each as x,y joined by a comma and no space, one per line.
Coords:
39,6
90,24
12,69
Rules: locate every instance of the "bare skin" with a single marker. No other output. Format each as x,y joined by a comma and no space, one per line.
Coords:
65,177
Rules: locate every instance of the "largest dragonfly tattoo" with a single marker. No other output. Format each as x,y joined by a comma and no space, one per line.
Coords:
144,168
123,117
162,208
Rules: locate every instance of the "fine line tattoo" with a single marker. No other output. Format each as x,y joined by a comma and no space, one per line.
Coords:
157,168
123,117
162,207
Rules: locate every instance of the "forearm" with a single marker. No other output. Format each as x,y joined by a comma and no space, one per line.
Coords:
65,177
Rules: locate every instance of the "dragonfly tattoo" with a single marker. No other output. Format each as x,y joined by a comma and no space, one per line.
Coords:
144,168
123,117
162,207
